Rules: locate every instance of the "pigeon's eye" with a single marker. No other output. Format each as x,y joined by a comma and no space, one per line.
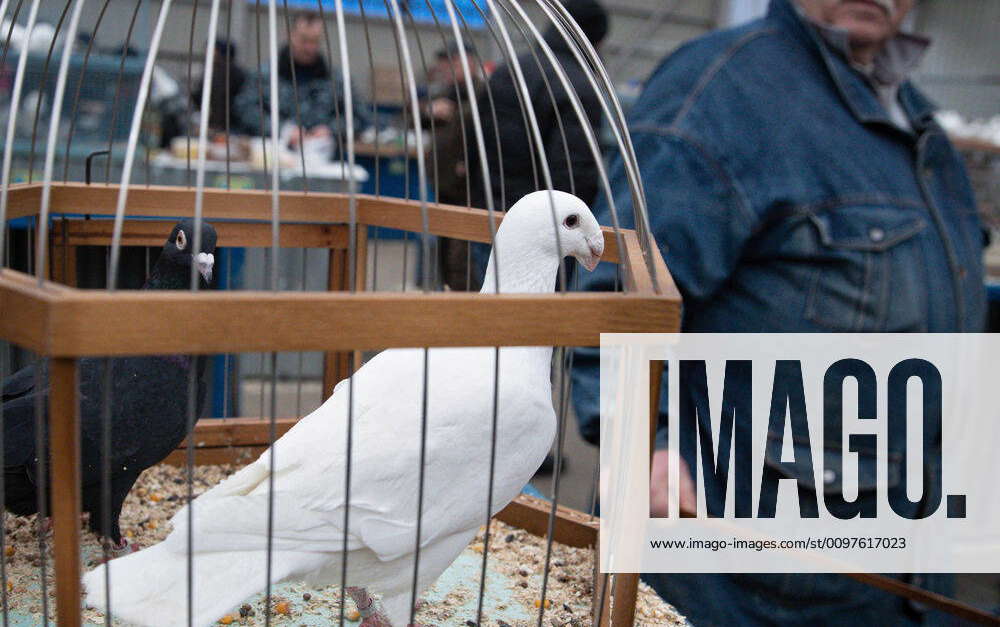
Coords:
181,240
571,221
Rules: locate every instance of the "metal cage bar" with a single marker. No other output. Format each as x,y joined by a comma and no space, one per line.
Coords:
65,323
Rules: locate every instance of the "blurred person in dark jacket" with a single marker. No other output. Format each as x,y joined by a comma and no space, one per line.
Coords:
228,80
166,98
311,95
449,107
570,161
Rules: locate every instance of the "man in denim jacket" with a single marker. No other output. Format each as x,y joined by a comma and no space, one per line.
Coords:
796,182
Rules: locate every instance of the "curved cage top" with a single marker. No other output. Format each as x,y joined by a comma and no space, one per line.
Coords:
396,103
393,136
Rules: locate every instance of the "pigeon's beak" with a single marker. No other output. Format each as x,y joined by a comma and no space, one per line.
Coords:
205,262
596,245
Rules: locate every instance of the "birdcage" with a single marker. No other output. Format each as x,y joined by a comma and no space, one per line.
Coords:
83,205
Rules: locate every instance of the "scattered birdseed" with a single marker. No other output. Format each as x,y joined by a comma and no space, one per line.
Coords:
521,559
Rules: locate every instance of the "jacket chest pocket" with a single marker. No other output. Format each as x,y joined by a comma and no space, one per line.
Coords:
869,270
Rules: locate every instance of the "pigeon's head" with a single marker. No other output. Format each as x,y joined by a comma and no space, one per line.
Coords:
179,248
580,235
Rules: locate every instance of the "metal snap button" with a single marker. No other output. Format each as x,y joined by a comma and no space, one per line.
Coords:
876,234
829,476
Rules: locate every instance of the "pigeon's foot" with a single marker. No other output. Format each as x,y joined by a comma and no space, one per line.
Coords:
371,613
416,608
48,525
121,549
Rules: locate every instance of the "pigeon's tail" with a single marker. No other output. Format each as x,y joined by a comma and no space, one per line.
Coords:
150,587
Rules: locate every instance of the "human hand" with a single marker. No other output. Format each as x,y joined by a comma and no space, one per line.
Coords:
442,108
319,131
659,472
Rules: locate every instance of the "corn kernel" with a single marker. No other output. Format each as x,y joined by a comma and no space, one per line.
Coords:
227,619
156,498
548,603
281,608
9,551
353,615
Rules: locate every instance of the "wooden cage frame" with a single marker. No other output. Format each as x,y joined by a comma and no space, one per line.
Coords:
64,323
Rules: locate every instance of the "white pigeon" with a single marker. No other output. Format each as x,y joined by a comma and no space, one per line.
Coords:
230,521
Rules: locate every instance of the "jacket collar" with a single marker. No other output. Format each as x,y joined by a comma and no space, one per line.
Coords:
852,85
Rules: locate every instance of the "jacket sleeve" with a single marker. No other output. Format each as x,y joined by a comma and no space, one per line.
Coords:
701,223
512,162
246,106
571,162
360,108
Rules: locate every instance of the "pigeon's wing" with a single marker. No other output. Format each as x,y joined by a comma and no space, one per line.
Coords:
148,404
151,408
385,468
21,398
23,382
310,461
309,467
19,428
460,403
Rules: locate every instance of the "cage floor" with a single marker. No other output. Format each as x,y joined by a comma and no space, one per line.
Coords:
514,576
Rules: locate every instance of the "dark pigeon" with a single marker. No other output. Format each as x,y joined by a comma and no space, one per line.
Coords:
149,403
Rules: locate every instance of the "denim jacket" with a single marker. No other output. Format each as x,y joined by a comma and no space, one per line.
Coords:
785,199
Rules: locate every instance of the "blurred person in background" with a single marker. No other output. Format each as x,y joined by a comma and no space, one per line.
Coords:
438,75
797,182
166,98
227,83
311,95
515,157
447,104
